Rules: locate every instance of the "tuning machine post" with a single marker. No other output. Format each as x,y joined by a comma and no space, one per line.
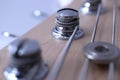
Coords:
91,7
66,21
25,61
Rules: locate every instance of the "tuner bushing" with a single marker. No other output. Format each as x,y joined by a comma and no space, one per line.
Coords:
25,61
66,21
91,7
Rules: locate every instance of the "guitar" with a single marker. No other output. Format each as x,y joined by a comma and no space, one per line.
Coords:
51,47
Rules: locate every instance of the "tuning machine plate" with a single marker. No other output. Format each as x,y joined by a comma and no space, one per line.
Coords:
66,21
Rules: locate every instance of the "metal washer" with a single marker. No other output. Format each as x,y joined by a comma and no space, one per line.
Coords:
101,52
63,36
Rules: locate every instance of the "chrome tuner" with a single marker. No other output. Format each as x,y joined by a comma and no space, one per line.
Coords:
66,21
91,7
25,61
101,52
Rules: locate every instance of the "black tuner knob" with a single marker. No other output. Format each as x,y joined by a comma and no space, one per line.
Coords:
101,52
91,7
66,21
25,61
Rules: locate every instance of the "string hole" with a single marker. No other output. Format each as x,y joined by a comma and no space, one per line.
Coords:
101,49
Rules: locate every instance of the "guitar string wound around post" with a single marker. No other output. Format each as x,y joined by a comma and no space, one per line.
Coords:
66,21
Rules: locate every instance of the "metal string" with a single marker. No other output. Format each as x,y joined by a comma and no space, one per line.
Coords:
111,65
58,64
83,74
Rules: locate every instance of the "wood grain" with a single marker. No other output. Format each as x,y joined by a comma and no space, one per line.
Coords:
72,65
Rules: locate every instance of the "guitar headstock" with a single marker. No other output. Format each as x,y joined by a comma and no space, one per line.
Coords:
72,64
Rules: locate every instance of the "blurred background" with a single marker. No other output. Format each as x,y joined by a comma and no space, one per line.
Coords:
19,16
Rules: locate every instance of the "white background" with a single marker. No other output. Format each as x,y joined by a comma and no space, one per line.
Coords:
17,16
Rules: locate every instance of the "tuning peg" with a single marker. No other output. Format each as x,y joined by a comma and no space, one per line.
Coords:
25,61
66,21
91,7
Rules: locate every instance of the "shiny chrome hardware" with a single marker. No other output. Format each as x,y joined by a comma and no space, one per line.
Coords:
25,61
101,52
66,21
91,7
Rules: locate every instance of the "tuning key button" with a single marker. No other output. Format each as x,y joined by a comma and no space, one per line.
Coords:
91,7
66,21
101,52
25,61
